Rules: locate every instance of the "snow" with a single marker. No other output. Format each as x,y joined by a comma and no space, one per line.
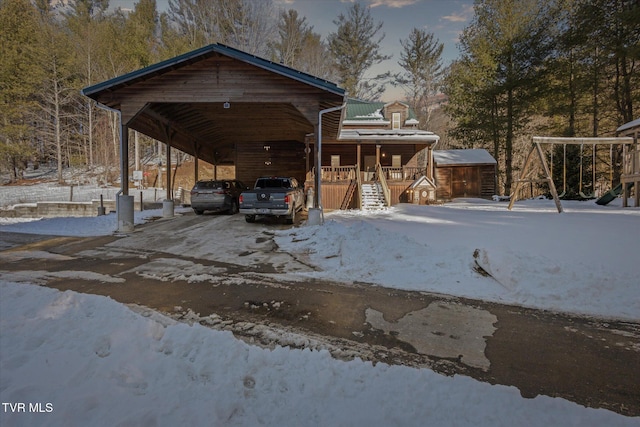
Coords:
79,359
472,156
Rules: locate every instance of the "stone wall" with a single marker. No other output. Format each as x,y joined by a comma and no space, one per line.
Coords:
59,209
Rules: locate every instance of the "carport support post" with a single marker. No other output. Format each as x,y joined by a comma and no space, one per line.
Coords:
315,215
167,204
124,209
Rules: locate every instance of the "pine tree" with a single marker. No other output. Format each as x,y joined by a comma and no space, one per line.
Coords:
20,78
496,85
421,59
356,49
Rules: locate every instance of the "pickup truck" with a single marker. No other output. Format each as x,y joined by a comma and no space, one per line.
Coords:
272,196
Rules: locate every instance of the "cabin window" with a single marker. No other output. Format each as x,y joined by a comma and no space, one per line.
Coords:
396,161
335,161
395,120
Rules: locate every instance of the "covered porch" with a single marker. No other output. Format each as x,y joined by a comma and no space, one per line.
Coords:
365,168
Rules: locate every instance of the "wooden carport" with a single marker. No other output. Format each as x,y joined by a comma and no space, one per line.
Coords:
216,102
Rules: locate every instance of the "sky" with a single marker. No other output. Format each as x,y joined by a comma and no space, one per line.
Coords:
89,360
444,18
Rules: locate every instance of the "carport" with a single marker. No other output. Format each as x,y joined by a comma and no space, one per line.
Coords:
223,106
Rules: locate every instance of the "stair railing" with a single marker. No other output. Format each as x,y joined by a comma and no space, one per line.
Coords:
383,182
359,181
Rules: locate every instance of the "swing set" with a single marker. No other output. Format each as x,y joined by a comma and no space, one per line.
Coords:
538,142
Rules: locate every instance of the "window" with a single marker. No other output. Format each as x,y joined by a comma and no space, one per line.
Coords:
396,161
335,161
395,120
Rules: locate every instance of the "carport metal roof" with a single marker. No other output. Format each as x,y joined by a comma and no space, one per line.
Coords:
205,101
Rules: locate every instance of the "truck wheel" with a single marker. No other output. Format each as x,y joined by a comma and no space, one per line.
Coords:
198,211
250,218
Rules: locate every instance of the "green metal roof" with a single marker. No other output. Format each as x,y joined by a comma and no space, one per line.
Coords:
363,110
205,52
366,110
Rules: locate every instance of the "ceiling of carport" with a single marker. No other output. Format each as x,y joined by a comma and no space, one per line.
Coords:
182,101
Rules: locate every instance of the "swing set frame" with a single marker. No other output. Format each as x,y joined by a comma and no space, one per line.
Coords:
538,141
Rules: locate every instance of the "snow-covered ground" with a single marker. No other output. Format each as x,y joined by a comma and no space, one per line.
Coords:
87,360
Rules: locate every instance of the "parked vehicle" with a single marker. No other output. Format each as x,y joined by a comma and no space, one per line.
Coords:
273,196
216,195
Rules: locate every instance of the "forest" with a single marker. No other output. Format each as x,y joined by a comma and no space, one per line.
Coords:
526,67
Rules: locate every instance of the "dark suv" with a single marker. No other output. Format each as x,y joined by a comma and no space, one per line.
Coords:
216,195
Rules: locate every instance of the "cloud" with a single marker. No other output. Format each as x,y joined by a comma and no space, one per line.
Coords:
463,15
394,4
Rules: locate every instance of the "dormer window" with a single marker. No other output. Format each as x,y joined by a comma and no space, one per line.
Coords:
395,121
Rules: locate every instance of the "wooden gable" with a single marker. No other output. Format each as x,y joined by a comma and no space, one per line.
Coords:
206,102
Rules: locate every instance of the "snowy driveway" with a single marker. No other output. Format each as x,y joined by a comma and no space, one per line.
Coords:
219,271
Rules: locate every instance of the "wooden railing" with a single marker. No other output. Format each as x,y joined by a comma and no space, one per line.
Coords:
403,173
338,173
359,181
383,182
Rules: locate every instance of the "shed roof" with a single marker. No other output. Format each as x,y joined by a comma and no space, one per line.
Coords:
630,125
474,156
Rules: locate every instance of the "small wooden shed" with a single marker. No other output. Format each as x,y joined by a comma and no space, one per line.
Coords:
464,173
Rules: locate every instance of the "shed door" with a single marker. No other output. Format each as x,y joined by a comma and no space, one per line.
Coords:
465,182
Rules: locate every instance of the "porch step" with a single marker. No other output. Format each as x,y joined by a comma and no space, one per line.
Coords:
373,196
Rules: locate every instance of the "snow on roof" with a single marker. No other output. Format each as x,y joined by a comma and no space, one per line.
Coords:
414,135
632,124
472,156
377,114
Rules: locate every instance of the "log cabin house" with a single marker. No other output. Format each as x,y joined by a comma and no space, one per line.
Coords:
232,109
380,158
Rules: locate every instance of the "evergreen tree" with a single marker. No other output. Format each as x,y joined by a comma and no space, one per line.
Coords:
502,72
140,41
20,78
355,50
422,64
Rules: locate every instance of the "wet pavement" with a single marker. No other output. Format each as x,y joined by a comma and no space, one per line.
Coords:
241,287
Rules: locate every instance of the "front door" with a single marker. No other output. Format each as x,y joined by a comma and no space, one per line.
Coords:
369,167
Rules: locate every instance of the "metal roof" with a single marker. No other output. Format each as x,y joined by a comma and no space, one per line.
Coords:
358,110
472,156
396,136
632,124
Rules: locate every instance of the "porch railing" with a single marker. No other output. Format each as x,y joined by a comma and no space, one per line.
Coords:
338,173
359,189
404,173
